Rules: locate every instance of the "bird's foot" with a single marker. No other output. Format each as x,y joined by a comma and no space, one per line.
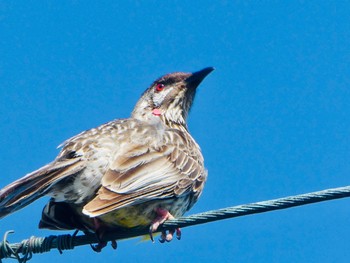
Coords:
162,216
99,246
100,230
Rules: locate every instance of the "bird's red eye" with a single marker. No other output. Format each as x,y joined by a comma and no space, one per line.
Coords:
160,87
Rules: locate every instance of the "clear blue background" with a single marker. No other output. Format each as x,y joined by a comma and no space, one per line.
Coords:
272,120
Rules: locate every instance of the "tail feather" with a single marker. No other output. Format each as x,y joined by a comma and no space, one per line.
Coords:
36,184
62,216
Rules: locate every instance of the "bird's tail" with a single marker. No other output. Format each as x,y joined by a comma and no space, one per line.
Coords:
36,184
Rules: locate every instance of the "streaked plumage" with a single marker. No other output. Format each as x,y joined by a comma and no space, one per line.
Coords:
123,171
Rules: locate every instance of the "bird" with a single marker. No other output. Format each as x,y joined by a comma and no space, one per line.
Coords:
133,172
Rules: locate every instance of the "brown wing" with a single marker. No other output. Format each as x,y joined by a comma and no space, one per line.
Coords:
34,185
143,173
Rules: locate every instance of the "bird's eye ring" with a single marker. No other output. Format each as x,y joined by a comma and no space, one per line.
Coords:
159,87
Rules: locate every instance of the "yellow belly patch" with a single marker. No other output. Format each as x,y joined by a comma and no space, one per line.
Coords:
129,217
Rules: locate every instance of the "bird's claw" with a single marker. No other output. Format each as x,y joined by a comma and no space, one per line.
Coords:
178,233
169,236
114,244
100,230
99,246
151,233
162,216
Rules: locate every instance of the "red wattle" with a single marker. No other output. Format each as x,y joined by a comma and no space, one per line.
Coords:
156,112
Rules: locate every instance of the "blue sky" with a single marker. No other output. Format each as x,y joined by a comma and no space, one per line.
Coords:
272,119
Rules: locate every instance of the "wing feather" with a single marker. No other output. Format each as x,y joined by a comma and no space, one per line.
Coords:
143,173
34,185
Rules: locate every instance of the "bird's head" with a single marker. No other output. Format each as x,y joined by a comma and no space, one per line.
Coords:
170,97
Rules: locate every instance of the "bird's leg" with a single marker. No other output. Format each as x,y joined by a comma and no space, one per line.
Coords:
162,216
100,230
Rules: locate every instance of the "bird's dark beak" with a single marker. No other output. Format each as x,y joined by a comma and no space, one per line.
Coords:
196,78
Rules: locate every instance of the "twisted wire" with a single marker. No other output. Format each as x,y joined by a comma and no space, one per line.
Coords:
63,242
